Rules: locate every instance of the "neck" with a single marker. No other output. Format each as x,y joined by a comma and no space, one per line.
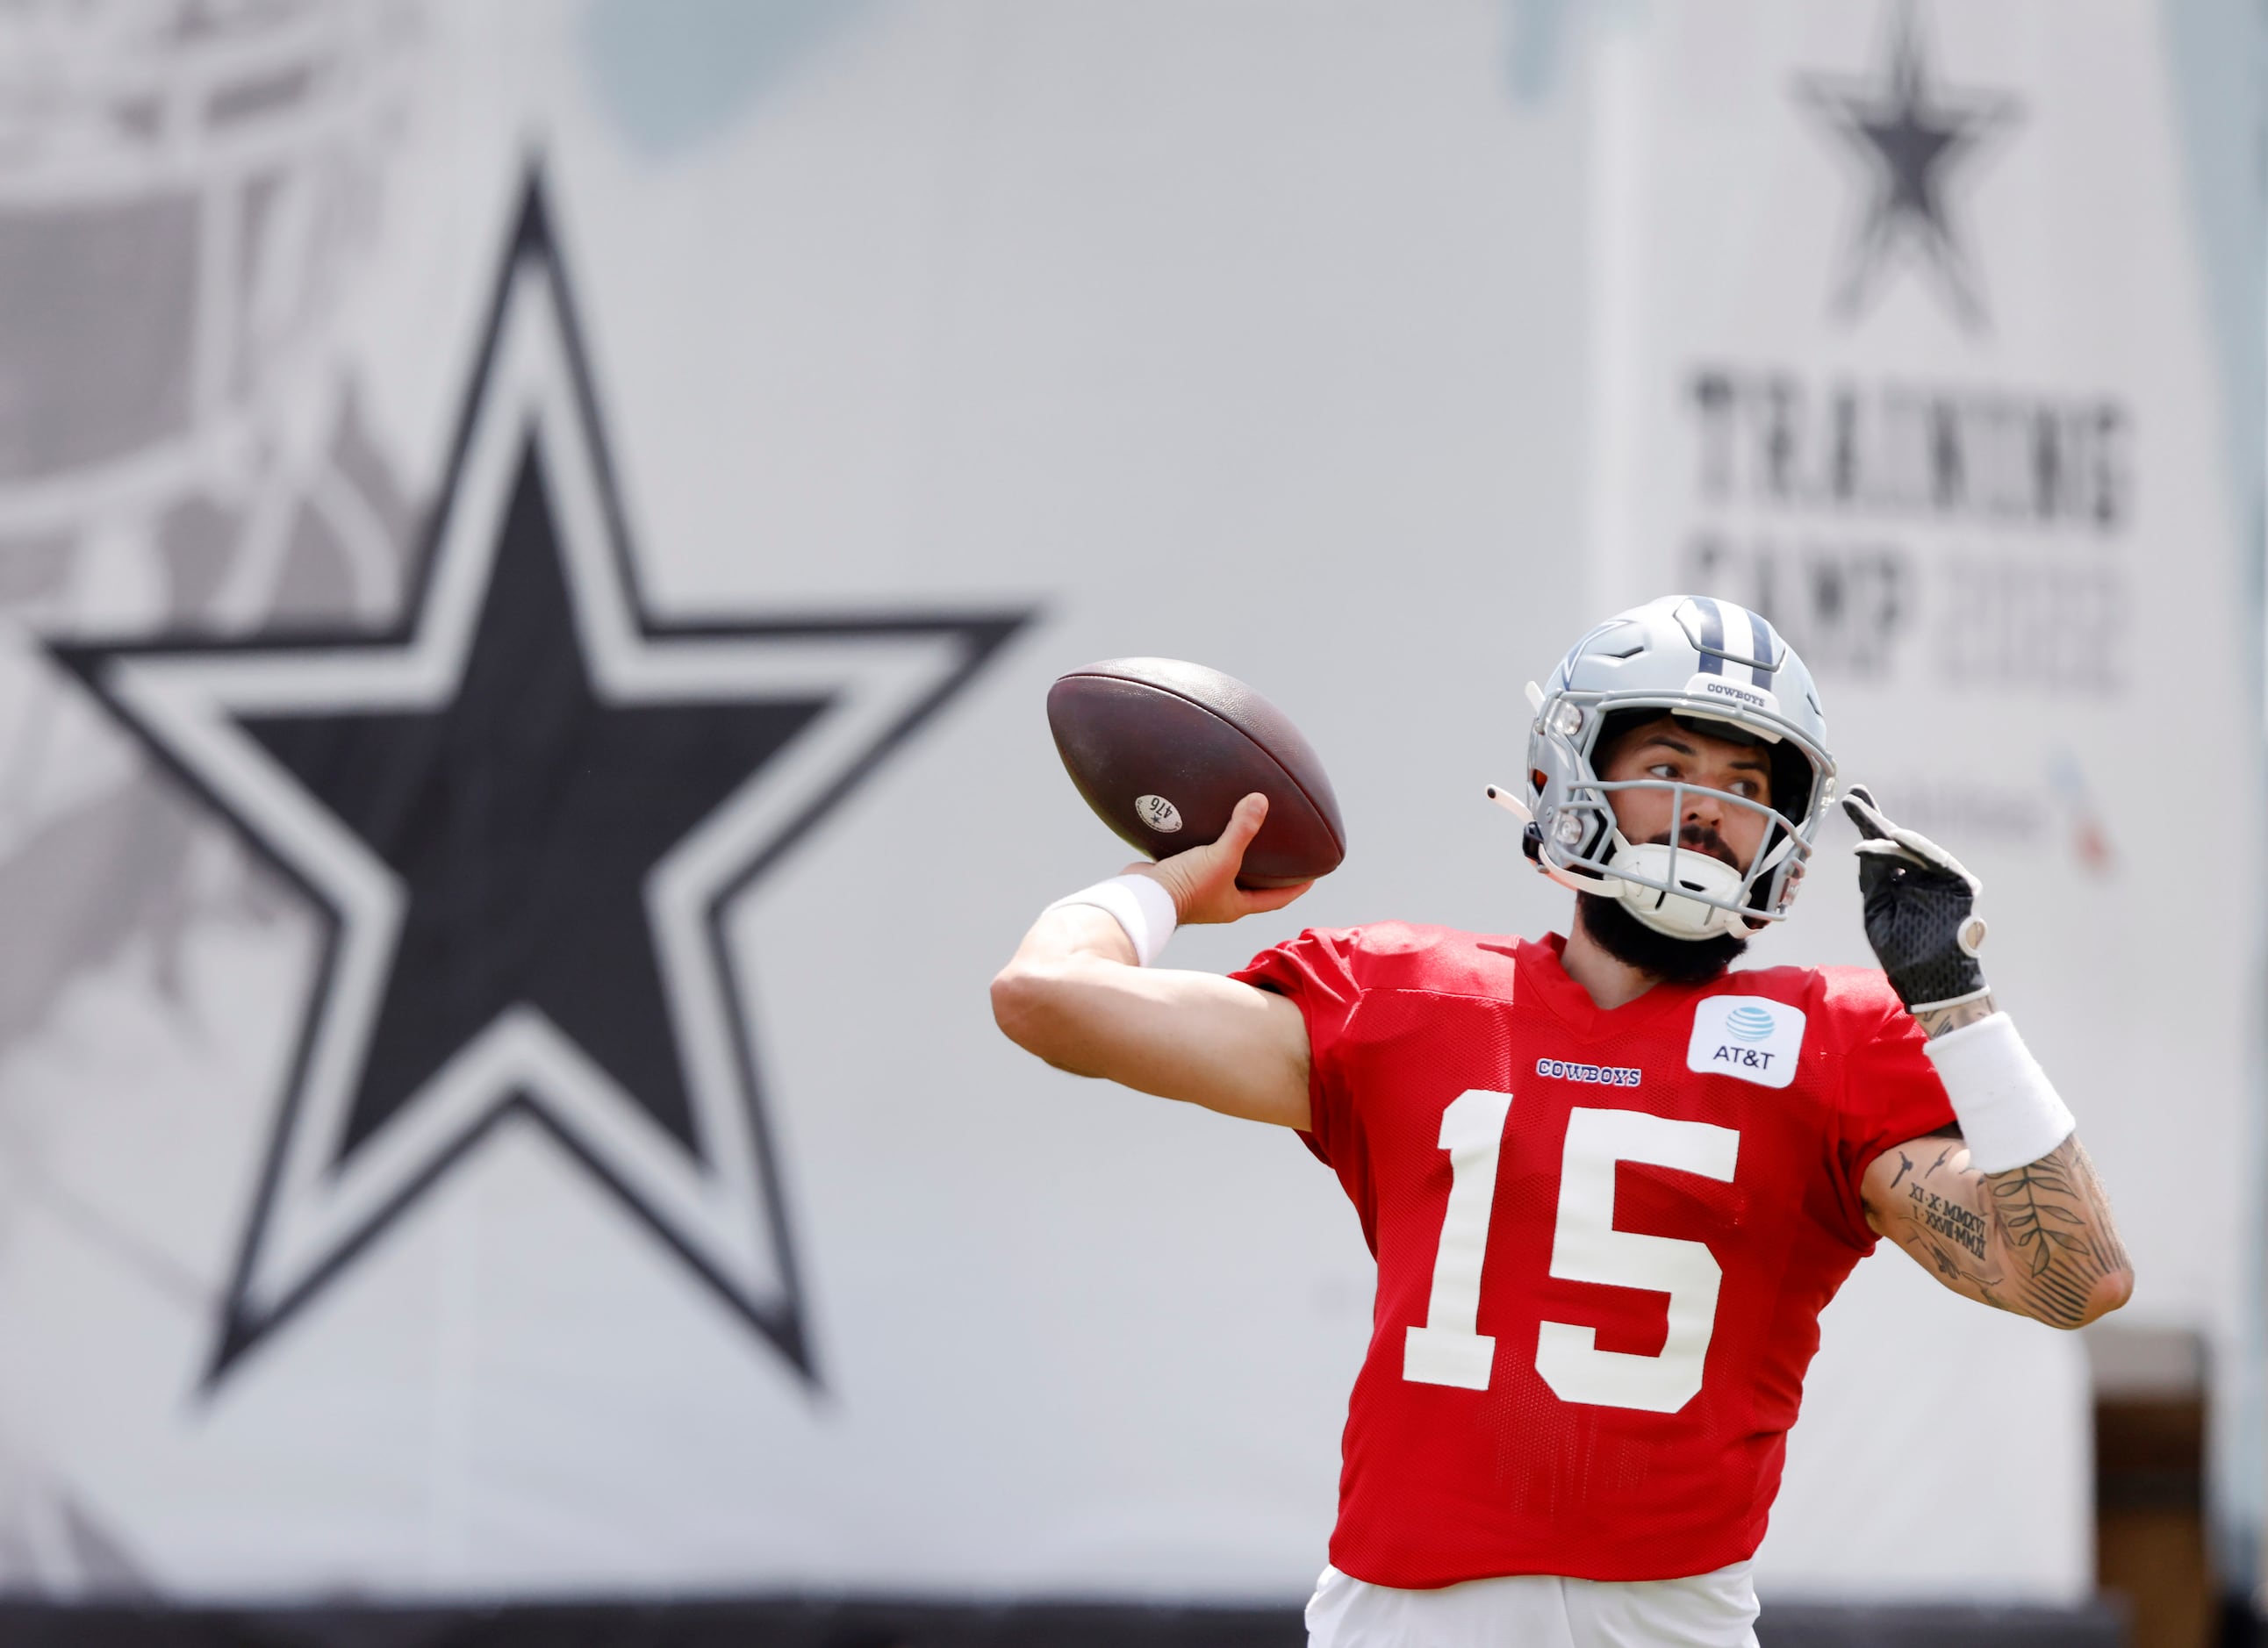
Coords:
1609,981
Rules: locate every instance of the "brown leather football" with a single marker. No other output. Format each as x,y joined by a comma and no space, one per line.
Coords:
1163,751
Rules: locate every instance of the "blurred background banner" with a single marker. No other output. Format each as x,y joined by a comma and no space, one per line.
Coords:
533,539
1906,341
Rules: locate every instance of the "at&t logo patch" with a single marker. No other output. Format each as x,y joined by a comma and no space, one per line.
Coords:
1747,1036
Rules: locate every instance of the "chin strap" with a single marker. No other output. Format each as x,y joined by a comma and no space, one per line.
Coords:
1511,804
1573,879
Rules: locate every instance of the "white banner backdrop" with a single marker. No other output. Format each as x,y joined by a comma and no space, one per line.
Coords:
1259,334
1904,343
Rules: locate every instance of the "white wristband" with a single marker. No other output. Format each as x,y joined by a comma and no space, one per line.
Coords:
1140,905
2009,1112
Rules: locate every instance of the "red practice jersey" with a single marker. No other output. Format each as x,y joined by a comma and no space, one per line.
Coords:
1603,1240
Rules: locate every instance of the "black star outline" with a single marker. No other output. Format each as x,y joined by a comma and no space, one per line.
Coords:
531,408
1907,133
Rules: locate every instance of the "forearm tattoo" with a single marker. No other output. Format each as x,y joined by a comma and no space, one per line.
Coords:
1948,1219
2035,1239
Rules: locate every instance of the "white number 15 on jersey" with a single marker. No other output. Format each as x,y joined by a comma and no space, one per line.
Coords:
1585,1247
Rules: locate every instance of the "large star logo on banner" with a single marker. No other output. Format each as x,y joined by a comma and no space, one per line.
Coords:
1908,135
523,816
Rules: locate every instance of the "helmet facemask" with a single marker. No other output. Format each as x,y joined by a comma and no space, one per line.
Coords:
1717,669
1677,888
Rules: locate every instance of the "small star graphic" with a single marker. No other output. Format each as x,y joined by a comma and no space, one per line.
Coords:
1908,135
522,817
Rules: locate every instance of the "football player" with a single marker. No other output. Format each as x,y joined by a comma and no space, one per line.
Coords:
1608,1184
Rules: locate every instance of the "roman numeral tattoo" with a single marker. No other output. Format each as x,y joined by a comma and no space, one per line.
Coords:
2037,1239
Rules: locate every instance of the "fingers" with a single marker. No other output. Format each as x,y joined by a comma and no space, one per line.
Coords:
1918,849
1918,855
1227,851
1881,837
1244,824
1859,805
1203,879
1259,903
1884,847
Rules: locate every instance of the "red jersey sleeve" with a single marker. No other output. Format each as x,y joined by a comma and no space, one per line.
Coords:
1891,1094
1316,973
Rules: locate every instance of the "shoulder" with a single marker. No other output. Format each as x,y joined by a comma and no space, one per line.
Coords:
1843,1007
1391,956
1413,956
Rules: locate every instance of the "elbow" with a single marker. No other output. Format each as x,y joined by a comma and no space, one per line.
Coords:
1033,1007
2110,1291
1012,1005
1023,999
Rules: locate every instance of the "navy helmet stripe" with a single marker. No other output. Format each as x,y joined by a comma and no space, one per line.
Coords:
1713,636
1740,639
1767,653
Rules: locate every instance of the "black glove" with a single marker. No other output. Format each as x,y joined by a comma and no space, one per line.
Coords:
1920,910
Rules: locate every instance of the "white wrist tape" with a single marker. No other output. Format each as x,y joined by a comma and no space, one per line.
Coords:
2008,1110
1138,904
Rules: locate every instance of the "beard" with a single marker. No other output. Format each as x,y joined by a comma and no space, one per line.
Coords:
1656,954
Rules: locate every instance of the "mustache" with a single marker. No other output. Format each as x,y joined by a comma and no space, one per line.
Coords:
1700,838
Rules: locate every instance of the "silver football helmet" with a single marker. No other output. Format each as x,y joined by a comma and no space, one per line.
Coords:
1697,658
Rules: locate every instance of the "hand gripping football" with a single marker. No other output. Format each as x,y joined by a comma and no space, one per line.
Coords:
1163,751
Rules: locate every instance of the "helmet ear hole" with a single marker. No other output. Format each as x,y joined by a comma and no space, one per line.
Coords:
1614,726
1791,778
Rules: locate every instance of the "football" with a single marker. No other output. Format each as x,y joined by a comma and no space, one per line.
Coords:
1163,751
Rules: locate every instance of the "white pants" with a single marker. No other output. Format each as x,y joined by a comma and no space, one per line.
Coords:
1711,1610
